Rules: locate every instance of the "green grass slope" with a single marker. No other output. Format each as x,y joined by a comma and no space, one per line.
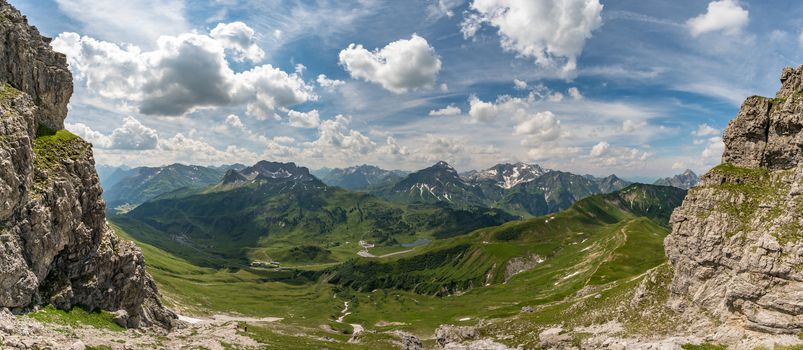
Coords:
576,267
143,184
616,223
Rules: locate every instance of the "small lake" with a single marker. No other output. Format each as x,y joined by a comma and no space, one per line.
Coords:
417,243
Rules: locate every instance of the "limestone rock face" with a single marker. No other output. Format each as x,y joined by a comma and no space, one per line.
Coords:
767,131
28,63
737,241
55,246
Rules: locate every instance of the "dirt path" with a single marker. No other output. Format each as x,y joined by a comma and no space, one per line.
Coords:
357,329
366,254
227,318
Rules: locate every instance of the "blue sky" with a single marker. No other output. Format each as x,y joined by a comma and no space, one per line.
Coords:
637,88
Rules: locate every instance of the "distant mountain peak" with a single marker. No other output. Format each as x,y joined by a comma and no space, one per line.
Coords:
507,175
270,172
439,182
443,165
685,180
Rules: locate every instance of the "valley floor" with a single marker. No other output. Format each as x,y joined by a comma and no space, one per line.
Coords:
584,284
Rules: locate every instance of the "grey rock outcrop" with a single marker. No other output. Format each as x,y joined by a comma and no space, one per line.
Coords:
55,246
737,241
28,63
767,131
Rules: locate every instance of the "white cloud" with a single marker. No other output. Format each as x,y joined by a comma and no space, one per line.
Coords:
334,136
543,126
401,66
446,111
548,31
234,121
241,39
481,111
132,135
327,83
705,130
714,149
96,138
519,84
723,15
393,148
630,126
442,8
309,119
114,20
600,149
185,73
264,89
605,155
556,97
575,93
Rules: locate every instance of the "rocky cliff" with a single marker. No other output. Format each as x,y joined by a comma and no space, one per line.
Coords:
737,240
55,246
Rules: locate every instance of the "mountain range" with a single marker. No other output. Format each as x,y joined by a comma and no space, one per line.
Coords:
685,180
264,211
520,189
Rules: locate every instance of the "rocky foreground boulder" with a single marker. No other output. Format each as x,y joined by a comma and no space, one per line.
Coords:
55,246
737,241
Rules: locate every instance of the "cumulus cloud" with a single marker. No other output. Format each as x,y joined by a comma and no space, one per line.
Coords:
551,32
184,73
309,119
606,155
713,151
136,144
630,126
132,135
600,149
393,148
446,111
575,93
725,16
234,121
96,138
544,126
705,130
519,84
401,66
334,135
240,38
327,83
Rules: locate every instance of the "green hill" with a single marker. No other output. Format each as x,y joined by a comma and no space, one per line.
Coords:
630,225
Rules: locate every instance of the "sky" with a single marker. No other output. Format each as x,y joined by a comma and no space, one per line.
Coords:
642,89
